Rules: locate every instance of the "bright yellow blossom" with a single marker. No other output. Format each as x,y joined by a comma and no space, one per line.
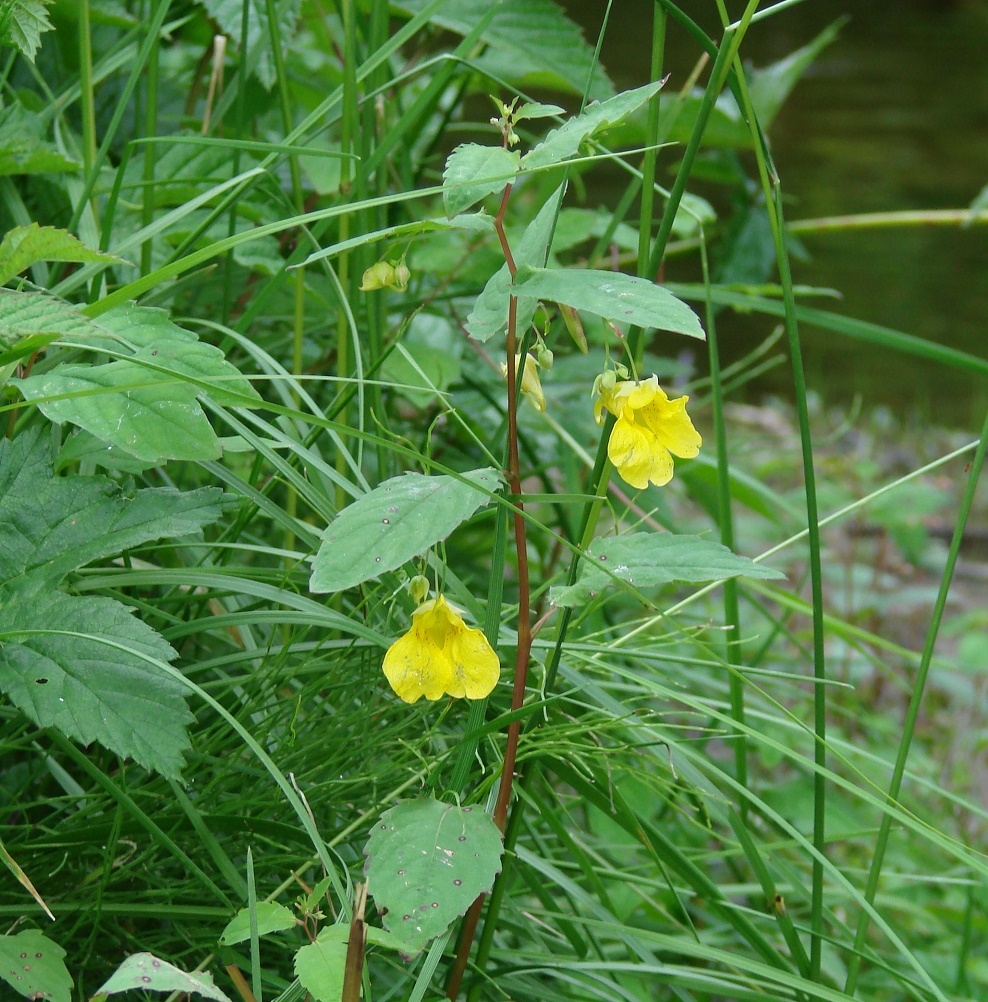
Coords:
440,655
649,427
531,385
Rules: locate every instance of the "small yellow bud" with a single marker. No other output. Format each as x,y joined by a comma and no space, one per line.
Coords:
378,276
531,385
418,588
402,275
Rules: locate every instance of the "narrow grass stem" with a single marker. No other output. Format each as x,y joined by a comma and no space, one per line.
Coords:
912,713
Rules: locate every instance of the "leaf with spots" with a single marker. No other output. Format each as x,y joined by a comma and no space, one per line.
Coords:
612,295
32,965
145,971
396,521
426,863
645,560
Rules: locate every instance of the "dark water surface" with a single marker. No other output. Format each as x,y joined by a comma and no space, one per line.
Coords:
892,116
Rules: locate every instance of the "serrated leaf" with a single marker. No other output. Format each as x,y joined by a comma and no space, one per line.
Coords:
564,142
489,315
271,917
145,972
28,21
612,295
473,172
645,560
526,38
22,146
52,525
399,519
24,246
31,320
32,965
79,665
149,415
427,862
228,14
321,968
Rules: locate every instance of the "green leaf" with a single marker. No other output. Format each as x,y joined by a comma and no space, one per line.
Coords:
22,146
228,14
396,521
489,315
147,414
24,246
52,525
564,142
79,665
145,972
427,862
613,295
473,172
27,21
31,320
271,917
321,967
644,560
32,965
530,40
772,85
535,110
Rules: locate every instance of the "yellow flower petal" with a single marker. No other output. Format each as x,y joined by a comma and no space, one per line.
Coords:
531,385
441,655
649,427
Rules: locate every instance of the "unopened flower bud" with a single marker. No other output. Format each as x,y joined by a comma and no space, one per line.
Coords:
378,276
545,359
402,275
418,588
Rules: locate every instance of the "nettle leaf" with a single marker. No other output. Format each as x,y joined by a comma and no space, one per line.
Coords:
28,20
52,525
321,966
24,246
427,862
528,39
473,172
228,14
399,519
31,320
564,142
609,294
489,315
271,917
33,966
149,415
145,972
645,560
80,665
23,149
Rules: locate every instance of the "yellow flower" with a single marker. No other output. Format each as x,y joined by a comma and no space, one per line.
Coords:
531,385
439,655
649,427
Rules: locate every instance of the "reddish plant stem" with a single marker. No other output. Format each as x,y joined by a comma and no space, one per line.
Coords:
524,649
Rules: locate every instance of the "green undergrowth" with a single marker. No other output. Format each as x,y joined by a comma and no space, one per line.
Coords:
315,359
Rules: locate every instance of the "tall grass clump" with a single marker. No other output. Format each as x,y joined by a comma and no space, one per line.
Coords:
395,599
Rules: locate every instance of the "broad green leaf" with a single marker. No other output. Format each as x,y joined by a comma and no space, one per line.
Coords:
645,560
473,172
530,40
23,149
535,110
24,246
52,525
613,295
271,917
228,14
147,414
145,972
32,965
26,21
31,320
396,521
564,142
489,315
428,357
79,665
321,967
427,862
772,85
